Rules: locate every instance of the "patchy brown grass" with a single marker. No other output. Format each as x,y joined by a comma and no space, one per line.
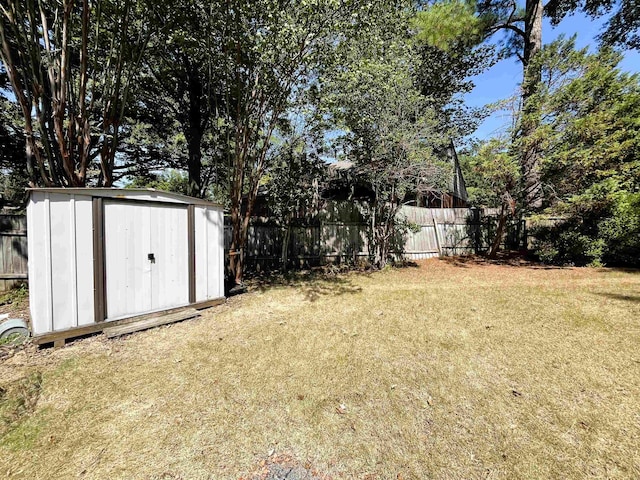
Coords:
453,369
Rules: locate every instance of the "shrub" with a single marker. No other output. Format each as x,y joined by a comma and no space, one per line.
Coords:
608,235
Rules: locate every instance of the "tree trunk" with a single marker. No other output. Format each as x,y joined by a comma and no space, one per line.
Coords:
236,263
195,130
194,163
285,246
495,246
530,154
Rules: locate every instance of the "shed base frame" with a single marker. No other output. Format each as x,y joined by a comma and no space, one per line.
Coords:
60,337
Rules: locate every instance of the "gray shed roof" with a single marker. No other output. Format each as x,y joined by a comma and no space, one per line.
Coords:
148,194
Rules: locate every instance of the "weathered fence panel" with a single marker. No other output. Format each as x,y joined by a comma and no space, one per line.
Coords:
13,250
339,235
442,231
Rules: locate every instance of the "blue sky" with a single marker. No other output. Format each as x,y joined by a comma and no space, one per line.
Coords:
503,79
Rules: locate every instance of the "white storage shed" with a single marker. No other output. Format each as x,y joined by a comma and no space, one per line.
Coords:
103,255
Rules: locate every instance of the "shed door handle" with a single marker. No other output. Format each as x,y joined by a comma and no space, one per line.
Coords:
151,257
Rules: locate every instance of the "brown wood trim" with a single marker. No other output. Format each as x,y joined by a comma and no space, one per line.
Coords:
13,276
99,293
62,335
77,331
208,303
163,203
191,240
157,321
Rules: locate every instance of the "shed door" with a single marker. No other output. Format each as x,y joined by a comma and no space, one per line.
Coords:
146,257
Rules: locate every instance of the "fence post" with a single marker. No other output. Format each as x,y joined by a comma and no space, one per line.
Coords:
435,227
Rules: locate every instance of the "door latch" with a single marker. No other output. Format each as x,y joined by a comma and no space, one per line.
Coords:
151,257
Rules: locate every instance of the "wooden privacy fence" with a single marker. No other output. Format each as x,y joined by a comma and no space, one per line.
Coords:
338,234
13,250
436,232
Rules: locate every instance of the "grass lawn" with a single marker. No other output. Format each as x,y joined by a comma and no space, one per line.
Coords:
452,369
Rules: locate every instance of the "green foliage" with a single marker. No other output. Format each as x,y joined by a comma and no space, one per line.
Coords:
14,178
291,181
212,88
390,131
70,66
168,181
568,244
449,52
621,231
491,171
591,148
590,113
292,186
445,24
14,295
600,228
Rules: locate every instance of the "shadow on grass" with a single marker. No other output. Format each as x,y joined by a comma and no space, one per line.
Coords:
618,296
313,283
517,259
405,264
505,259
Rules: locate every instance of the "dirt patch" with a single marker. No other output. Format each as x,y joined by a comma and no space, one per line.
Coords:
504,259
284,467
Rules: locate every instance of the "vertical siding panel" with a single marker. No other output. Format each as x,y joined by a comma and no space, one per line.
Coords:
191,238
47,262
215,279
201,254
159,235
128,275
206,269
114,241
181,233
73,288
211,221
140,286
220,251
142,268
210,239
210,259
170,273
62,268
37,264
84,259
